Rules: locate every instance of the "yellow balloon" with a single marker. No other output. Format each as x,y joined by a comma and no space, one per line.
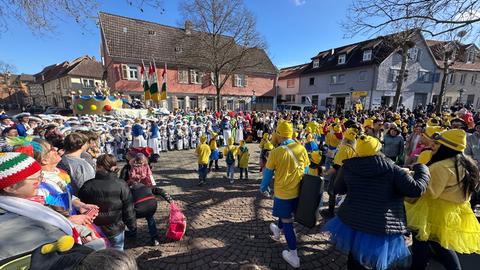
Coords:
93,107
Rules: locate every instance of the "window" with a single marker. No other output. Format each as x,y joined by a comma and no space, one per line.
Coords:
474,79
413,54
178,49
333,79
230,105
311,81
88,83
151,32
470,99
315,100
239,80
424,76
362,76
316,63
342,58
451,78
471,56
462,78
195,76
130,72
290,98
339,78
367,55
290,83
304,100
182,76
394,73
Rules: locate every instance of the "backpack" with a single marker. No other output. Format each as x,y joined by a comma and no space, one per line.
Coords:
230,159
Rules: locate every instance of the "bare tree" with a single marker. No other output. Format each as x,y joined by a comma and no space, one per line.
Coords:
43,16
6,68
225,37
436,16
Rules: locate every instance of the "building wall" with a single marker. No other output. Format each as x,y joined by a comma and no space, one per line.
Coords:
263,86
37,94
452,92
283,90
413,89
325,89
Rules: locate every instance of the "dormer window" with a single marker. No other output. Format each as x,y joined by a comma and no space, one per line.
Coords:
413,54
316,63
342,58
471,56
367,55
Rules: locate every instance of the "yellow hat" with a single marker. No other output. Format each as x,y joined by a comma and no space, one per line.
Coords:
430,130
351,134
299,126
433,122
268,146
337,128
424,157
214,134
265,136
203,139
368,123
367,146
230,141
316,157
455,139
285,129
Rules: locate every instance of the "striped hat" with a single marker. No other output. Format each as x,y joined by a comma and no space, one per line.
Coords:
16,167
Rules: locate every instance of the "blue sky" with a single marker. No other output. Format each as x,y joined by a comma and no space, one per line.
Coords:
295,30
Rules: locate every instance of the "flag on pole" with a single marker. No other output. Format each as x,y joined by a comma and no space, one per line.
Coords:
155,96
144,82
163,95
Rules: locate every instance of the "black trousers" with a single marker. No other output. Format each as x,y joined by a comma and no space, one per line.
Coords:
352,264
211,163
423,251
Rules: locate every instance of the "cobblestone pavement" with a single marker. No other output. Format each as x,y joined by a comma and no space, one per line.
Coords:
227,224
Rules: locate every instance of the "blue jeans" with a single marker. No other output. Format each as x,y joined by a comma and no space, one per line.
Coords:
230,171
202,172
152,227
117,241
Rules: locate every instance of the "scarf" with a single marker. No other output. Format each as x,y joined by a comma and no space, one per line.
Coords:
38,212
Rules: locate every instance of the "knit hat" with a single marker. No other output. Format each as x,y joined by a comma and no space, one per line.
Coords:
350,134
285,129
430,130
16,167
367,146
455,139
316,157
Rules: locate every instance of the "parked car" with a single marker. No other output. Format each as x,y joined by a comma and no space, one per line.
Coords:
52,110
35,109
294,107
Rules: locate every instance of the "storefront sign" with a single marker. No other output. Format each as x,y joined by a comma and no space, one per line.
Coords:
360,93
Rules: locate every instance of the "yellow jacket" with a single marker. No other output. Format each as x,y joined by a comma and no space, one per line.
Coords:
232,148
287,175
203,152
213,144
443,184
344,152
243,157
332,140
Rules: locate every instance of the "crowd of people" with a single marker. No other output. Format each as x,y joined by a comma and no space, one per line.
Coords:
387,175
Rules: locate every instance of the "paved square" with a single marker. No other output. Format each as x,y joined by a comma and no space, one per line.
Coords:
227,224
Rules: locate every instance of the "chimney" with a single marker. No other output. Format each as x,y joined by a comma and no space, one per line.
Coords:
188,27
332,51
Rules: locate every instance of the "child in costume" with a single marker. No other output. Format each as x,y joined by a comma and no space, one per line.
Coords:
153,138
230,153
171,136
263,142
442,219
243,156
371,223
203,152
138,135
140,171
163,138
214,153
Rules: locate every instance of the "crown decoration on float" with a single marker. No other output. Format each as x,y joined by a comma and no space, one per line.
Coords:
100,103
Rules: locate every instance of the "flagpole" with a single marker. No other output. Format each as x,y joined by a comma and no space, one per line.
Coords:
156,78
166,79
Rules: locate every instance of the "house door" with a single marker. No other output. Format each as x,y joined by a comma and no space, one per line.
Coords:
340,104
419,99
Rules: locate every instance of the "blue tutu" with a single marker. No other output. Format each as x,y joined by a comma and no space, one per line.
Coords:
371,250
214,155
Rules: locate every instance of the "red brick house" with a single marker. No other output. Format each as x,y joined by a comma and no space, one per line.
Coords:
125,42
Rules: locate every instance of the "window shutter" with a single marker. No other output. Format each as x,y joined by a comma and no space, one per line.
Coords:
419,53
246,81
192,79
234,81
124,72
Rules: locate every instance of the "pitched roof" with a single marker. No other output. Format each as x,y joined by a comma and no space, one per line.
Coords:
437,49
131,40
84,66
293,71
381,47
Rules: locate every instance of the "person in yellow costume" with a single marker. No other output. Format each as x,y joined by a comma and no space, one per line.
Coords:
442,220
288,162
203,152
264,140
230,154
315,159
215,154
243,156
332,140
345,150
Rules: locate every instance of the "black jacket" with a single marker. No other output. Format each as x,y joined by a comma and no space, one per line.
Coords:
113,197
144,201
375,189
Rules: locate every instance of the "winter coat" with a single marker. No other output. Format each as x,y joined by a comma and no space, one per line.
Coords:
393,146
114,198
144,201
375,189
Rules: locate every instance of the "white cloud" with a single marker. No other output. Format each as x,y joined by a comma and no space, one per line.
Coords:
299,2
